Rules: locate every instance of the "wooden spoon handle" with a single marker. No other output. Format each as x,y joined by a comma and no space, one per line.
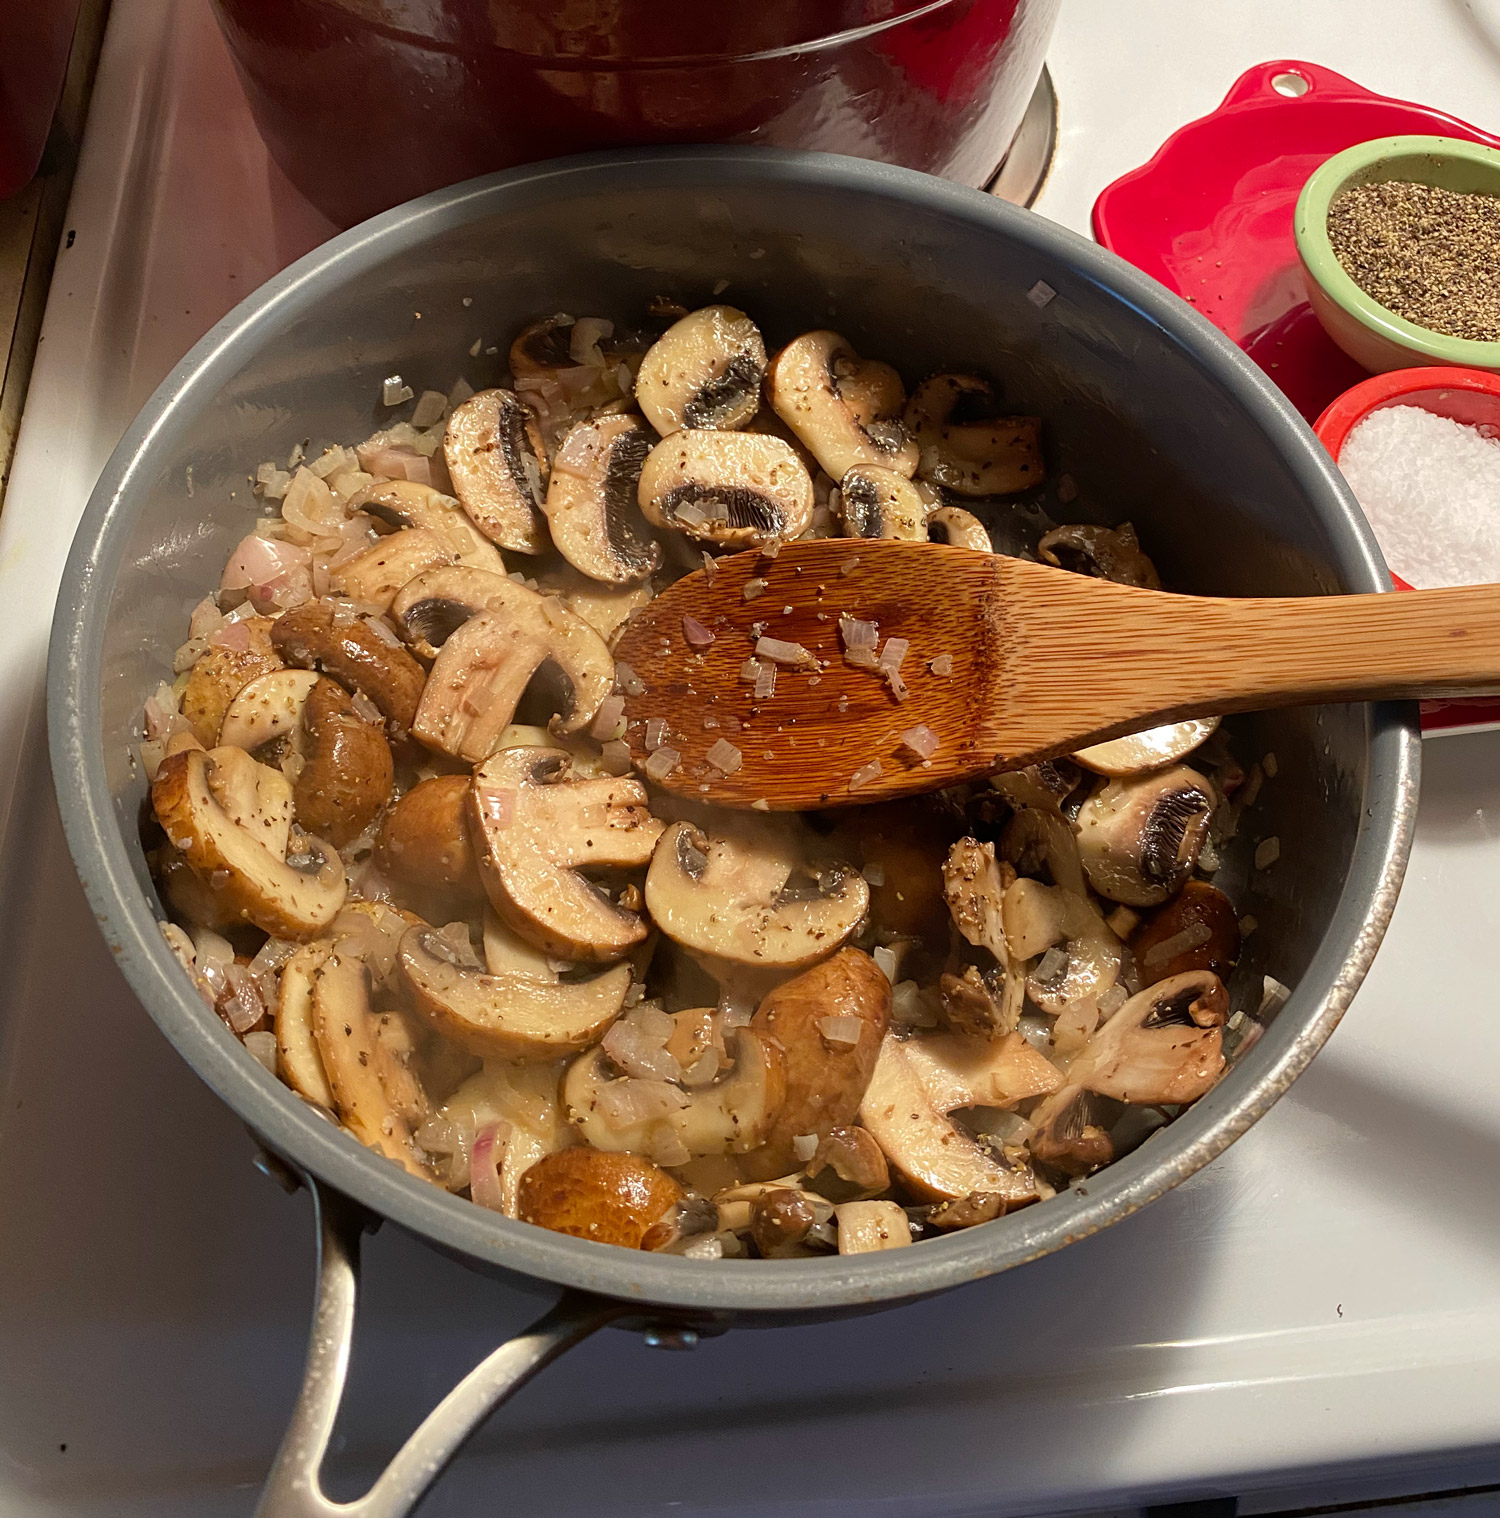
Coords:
1141,657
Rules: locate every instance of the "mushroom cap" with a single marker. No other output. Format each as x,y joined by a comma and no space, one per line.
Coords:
219,674
705,370
423,844
1139,839
959,529
825,1077
494,636
730,1116
254,882
348,772
609,1198
730,488
1165,1045
746,896
509,1015
1107,553
966,445
404,503
535,827
592,501
930,1153
497,461
375,575
879,503
1152,749
805,383
1198,929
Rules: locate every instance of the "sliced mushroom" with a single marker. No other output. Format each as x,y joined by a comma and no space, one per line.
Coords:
375,575
974,883
1198,929
347,773
1069,1135
1163,1046
731,488
297,1059
809,387
1044,786
404,503
1038,919
966,445
508,1015
828,1023
355,1062
746,896
879,503
423,846
268,707
526,1101
1107,554
287,897
866,1227
542,348
703,371
959,529
958,1071
497,460
848,1165
592,503
1140,839
1152,749
606,608
730,1116
221,673
609,1198
936,1159
535,827
504,634
361,654
1039,838
975,1003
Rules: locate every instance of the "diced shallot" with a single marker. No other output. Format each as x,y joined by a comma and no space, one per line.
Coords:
623,1104
865,774
609,720
484,1164
765,682
637,1053
615,756
662,763
858,634
841,1029
656,734
805,1145
942,665
921,741
627,682
1191,937
781,652
724,756
695,633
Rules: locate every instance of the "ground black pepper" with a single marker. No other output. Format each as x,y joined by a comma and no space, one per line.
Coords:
1428,254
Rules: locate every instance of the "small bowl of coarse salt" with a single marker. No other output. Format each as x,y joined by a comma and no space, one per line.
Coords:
1399,240
1420,449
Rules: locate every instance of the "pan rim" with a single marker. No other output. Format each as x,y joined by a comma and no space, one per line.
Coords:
295,1131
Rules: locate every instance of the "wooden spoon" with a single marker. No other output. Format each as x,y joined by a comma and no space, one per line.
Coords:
1044,662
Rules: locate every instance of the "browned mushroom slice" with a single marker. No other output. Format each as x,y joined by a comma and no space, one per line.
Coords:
506,1015
401,504
292,897
1163,1046
535,828
925,1147
347,773
958,528
360,652
491,636
703,371
423,846
1069,1134
354,1061
1140,839
297,1058
959,1071
807,384
732,488
879,503
746,896
592,503
498,463
375,576
729,1116
1198,929
966,445
1081,957
848,1165
221,673
1152,749
1108,554
828,1023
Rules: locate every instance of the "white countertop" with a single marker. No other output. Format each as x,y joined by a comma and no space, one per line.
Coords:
1321,1305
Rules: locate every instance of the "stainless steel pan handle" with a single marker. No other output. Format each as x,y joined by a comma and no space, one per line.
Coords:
294,1487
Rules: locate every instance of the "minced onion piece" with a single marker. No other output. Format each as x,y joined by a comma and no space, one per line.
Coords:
1248,925
609,720
1191,937
484,1164
754,588
691,513
844,1028
431,407
942,665
394,391
627,682
858,634
1052,963
724,756
922,741
695,634
583,340
874,873
849,565
781,652
765,682
1274,995
865,774
615,756
710,567
656,734
1267,852
637,1053
893,655
805,1145
624,1103
662,763
262,1048
885,960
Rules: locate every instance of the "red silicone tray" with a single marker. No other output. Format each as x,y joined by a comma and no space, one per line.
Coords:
1210,216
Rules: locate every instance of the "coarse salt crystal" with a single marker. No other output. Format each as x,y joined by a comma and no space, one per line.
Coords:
1431,489
753,588
865,774
921,740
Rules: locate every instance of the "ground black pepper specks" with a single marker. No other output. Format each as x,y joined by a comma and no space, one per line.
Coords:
1428,254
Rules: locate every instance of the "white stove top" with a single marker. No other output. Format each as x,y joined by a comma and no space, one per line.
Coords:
1321,1305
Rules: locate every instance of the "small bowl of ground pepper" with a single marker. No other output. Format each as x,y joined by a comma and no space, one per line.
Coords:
1400,242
